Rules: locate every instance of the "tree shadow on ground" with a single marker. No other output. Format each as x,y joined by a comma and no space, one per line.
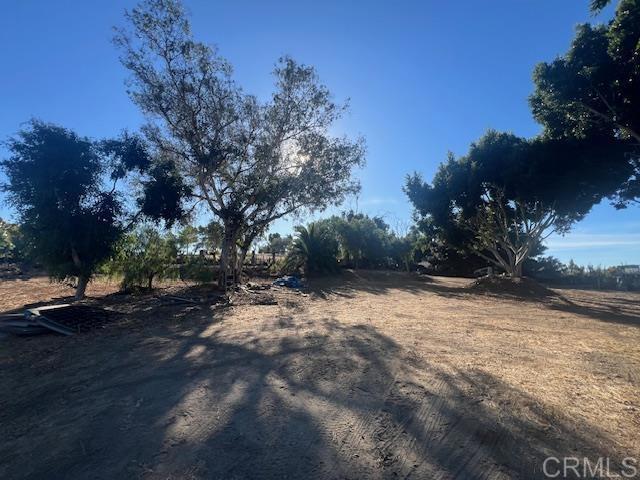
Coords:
627,313
380,282
601,308
295,398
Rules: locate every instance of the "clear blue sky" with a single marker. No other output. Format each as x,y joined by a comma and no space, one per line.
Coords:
424,77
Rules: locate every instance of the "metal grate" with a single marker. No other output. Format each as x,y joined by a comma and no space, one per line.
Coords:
70,319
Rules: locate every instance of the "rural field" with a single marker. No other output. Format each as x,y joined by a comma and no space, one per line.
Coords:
367,375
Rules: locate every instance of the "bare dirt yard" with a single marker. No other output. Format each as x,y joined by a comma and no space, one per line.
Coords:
370,375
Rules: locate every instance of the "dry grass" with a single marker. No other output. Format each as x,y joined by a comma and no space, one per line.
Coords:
576,355
372,375
27,291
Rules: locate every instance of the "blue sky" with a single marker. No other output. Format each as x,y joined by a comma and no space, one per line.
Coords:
424,77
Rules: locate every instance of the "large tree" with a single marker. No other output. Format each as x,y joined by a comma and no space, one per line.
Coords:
507,232
502,197
250,162
593,91
64,189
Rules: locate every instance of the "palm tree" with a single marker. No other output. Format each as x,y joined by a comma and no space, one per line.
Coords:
313,250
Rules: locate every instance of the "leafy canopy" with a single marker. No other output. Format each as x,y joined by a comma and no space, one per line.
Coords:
12,243
210,236
64,190
564,177
314,250
592,93
249,161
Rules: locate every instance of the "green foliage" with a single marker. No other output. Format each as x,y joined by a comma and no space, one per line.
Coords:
353,240
199,269
163,192
597,5
405,252
277,243
548,269
210,236
143,256
12,246
6,243
591,93
531,178
282,266
250,162
364,241
313,250
551,270
187,238
588,103
63,188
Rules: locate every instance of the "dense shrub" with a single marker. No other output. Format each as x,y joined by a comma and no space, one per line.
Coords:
314,250
144,256
352,240
198,269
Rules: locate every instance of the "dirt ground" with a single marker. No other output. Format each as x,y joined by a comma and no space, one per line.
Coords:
370,375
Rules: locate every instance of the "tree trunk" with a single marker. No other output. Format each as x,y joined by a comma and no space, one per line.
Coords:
83,280
240,261
517,270
513,269
228,265
150,282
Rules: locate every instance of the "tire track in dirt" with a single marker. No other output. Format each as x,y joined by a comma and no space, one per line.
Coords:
419,435
356,433
407,423
427,419
474,459
403,421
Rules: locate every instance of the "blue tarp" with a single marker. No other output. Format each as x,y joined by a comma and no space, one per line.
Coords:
288,281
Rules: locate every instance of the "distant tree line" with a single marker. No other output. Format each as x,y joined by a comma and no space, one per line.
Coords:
553,271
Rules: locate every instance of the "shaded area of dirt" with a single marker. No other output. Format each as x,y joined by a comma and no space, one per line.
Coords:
523,288
606,306
373,375
73,319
